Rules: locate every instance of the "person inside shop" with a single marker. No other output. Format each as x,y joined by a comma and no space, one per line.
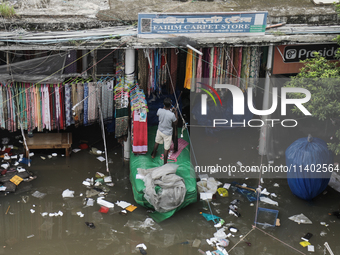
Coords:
166,116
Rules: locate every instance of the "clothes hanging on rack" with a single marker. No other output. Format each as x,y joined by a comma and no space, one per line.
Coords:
49,106
92,103
86,94
188,70
199,71
143,69
139,126
140,132
68,105
121,97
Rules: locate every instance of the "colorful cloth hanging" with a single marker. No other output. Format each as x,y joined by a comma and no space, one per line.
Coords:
140,132
188,70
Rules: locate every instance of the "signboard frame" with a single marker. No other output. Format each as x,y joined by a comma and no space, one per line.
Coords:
156,25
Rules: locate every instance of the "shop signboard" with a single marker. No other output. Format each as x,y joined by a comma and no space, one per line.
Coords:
287,57
202,24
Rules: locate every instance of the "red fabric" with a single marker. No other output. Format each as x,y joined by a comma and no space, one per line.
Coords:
140,136
61,117
7,150
83,146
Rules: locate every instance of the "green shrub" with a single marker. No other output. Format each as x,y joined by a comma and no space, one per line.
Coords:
6,10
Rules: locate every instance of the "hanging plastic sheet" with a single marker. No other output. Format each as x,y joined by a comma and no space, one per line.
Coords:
35,70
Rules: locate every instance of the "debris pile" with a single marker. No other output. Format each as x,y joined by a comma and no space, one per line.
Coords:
12,168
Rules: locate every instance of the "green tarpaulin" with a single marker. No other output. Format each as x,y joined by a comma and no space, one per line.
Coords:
185,170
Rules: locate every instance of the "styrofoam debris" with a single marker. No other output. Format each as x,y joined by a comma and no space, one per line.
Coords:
261,180
43,158
105,203
44,214
31,154
80,214
5,166
90,202
32,210
310,248
141,245
68,193
86,183
205,195
76,150
265,192
30,236
239,163
54,154
101,159
123,204
20,169
268,201
108,179
276,185
324,224
273,195
16,163
14,157
226,185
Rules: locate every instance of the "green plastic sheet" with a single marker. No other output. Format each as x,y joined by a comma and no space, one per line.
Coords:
185,170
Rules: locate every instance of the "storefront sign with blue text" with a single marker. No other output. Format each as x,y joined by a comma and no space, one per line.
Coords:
202,24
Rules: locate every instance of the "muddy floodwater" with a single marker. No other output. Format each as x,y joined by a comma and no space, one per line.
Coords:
24,230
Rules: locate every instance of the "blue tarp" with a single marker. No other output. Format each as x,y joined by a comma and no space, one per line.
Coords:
308,176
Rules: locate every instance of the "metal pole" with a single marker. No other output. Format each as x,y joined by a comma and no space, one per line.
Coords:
129,77
265,106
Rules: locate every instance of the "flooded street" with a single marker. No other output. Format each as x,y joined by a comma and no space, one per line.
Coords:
28,232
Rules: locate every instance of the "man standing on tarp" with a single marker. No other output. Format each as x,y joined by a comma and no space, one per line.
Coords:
166,116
